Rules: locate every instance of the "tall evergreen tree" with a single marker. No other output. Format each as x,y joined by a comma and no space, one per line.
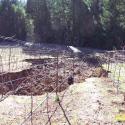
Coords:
83,24
39,12
113,20
12,19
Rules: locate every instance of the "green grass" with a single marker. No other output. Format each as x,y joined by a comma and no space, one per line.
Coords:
117,73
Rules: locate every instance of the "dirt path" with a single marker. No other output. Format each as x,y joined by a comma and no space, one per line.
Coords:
90,103
87,103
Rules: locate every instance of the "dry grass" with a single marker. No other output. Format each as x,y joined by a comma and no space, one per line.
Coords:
117,71
13,59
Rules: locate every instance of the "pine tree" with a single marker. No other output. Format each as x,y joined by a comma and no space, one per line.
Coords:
39,12
12,19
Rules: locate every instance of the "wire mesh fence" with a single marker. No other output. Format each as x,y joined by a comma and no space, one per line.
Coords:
116,67
33,85
34,82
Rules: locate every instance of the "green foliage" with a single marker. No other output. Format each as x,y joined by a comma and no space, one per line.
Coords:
19,10
114,11
57,98
12,17
120,7
60,9
89,23
88,2
39,13
105,18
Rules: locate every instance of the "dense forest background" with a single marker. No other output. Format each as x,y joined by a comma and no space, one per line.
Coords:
86,23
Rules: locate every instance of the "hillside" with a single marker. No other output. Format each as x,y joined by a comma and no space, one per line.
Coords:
93,102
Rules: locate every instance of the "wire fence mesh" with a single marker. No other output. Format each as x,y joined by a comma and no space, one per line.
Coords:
116,67
37,76
33,82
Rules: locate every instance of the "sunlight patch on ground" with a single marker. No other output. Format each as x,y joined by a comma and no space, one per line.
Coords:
74,49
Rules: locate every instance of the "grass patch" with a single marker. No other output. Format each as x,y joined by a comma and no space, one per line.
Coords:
117,74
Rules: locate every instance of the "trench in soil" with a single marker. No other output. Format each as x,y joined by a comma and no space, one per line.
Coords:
42,77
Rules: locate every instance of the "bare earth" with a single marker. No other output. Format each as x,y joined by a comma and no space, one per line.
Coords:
93,102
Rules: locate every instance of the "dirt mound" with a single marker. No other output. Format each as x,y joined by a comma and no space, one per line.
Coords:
100,72
93,61
43,77
29,81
